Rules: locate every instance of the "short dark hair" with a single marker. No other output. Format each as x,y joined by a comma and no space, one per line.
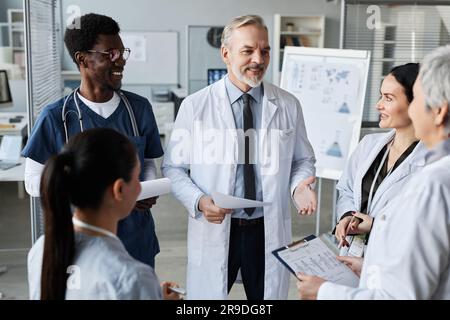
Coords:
406,75
84,38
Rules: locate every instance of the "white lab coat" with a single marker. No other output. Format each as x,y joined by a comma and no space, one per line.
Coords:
408,253
208,243
101,270
350,183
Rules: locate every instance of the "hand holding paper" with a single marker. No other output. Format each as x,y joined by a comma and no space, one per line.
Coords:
153,188
212,212
308,286
313,257
229,202
144,205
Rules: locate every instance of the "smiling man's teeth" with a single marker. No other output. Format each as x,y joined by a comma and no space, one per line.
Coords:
117,73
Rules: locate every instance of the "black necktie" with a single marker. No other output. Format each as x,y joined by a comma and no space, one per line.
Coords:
249,173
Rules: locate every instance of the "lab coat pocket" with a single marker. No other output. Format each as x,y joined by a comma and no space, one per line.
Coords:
286,143
286,133
195,241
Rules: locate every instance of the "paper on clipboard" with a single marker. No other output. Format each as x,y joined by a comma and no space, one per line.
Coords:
313,257
228,202
153,188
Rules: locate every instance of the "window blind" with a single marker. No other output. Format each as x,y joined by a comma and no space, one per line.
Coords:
44,81
404,32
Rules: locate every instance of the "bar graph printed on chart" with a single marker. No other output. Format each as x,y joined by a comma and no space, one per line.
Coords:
330,86
335,149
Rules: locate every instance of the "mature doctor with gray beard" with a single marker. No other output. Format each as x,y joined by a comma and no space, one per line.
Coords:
222,242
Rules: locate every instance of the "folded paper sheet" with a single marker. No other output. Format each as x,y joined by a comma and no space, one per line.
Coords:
228,202
153,188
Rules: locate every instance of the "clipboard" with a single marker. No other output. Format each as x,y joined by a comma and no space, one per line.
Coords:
312,256
293,246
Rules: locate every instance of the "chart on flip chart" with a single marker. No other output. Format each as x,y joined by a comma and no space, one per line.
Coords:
330,85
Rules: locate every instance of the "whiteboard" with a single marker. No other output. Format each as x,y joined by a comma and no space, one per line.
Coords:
331,87
153,59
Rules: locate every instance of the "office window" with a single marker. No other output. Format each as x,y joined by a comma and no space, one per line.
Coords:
44,54
407,30
44,81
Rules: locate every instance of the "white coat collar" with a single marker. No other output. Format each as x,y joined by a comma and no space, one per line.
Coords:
411,164
417,158
269,104
439,151
374,152
234,93
219,95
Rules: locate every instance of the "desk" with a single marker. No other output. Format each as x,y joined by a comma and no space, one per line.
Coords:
16,173
19,128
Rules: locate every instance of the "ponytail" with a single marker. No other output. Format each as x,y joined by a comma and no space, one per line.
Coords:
59,244
88,164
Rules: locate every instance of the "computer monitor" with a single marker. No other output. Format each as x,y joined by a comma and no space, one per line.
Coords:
215,75
5,92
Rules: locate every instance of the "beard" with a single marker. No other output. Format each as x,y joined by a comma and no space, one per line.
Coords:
253,81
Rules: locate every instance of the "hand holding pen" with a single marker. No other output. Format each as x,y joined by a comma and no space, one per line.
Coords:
359,223
346,226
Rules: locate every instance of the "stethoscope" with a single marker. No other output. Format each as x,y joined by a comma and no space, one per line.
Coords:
80,118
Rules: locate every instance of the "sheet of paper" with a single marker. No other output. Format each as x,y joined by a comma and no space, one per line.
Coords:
229,202
153,188
317,259
10,148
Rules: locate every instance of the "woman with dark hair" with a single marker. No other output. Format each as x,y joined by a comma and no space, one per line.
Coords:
381,164
408,256
80,256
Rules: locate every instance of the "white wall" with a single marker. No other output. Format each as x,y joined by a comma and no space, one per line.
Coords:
176,15
8,4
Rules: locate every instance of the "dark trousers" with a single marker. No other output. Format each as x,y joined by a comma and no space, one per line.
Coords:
247,253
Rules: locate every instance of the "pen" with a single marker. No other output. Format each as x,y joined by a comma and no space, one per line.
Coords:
342,242
178,290
353,219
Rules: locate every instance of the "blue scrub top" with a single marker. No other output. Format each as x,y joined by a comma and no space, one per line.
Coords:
137,231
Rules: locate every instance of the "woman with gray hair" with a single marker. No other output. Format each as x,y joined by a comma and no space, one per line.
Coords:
408,256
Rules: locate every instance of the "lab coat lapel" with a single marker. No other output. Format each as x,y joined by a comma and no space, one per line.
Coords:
367,161
222,102
269,106
410,164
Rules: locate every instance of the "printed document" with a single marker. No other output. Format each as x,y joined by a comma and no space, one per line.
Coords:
313,257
